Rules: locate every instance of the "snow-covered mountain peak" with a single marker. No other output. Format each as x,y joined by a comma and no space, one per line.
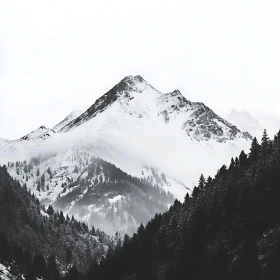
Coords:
133,101
40,133
131,84
134,80
124,91
176,92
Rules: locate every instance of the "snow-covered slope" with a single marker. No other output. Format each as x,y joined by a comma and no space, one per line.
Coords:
255,122
3,142
30,144
162,139
5,273
42,133
72,116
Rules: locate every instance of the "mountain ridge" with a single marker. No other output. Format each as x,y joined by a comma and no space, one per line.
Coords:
72,116
131,86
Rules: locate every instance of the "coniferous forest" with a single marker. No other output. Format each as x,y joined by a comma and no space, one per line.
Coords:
228,228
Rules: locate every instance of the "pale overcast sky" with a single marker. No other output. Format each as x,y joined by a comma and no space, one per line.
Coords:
56,56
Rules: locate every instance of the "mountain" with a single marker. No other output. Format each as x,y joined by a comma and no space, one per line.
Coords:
134,98
270,121
227,229
29,230
93,190
255,122
160,142
42,133
245,121
72,116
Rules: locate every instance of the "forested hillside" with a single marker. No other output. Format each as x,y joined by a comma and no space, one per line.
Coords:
93,190
43,242
229,228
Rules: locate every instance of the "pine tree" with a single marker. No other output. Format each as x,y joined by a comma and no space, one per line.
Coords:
232,164
265,139
43,180
254,150
201,181
61,217
187,196
50,210
243,158
38,186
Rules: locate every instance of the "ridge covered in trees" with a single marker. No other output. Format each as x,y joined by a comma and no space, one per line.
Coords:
94,190
229,228
39,242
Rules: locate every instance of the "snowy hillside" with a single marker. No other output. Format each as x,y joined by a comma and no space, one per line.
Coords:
5,273
42,133
28,145
3,142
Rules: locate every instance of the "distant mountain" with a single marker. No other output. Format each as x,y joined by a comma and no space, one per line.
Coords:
72,116
255,122
41,133
161,140
245,121
269,121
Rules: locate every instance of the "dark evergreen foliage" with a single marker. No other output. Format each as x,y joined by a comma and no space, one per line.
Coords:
28,235
228,229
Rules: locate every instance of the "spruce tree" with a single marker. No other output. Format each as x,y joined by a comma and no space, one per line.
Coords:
201,181
50,210
242,158
254,150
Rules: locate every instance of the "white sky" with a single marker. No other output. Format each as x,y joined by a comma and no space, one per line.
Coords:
56,56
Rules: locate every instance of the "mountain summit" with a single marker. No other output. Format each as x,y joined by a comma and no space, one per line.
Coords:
134,98
129,84
40,133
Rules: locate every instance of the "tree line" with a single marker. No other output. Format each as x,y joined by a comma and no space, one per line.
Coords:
228,228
